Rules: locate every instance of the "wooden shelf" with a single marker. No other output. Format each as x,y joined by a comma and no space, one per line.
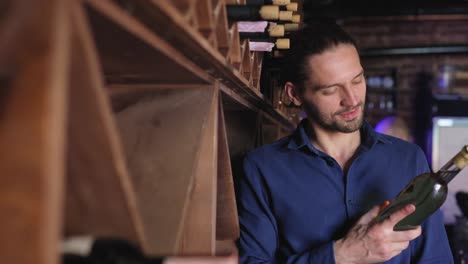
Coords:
126,119
130,52
149,16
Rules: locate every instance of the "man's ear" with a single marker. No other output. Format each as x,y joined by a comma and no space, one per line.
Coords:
293,93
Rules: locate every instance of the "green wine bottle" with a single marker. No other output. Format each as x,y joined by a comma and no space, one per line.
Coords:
427,192
258,13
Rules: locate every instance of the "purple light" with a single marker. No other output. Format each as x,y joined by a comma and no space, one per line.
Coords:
384,125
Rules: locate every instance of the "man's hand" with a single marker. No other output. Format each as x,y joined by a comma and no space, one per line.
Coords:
366,242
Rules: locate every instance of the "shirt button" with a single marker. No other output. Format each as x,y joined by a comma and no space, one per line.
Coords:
330,162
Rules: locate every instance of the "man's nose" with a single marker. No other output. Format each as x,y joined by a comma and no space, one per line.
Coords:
349,97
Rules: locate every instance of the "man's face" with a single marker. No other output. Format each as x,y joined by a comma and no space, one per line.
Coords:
335,92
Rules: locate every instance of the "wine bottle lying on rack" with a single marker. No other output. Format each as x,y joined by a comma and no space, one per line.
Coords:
271,31
296,19
291,27
267,44
427,192
256,13
291,7
268,2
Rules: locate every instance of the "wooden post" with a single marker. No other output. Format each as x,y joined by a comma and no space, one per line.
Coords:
32,131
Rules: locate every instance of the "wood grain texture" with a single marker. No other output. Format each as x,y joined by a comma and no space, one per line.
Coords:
226,248
205,17
199,232
161,131
222,28
131,52
32,133
100,198
227,221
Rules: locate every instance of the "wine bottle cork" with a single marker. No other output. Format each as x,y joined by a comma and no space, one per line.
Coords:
285,15
282,43
291,27
281,2
296,19
292,7
276,30
461,160
270,12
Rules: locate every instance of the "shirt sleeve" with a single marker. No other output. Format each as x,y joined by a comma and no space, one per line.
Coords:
259,238
432,246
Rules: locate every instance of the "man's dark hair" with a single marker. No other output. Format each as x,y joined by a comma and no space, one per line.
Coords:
311,40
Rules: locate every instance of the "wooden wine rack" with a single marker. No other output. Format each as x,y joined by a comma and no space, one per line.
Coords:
120,119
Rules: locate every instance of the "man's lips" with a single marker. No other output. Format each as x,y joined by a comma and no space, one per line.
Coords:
351,113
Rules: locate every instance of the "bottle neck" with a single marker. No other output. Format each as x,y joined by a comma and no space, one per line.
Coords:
453,166
448,172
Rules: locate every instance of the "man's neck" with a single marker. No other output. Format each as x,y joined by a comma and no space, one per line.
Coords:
341,146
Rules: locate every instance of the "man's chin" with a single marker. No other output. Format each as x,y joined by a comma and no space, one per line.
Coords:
349,126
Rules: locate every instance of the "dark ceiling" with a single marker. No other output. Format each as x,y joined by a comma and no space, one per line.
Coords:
338,9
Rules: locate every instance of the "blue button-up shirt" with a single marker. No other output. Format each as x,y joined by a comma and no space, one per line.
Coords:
295,200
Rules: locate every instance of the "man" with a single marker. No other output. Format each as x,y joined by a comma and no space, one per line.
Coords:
311,197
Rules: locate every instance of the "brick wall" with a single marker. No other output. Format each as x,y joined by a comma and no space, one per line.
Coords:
394,32
407,32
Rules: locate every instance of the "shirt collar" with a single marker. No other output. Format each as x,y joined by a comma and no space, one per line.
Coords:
299,138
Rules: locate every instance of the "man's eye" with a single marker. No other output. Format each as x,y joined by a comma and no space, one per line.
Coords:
329,90
357,81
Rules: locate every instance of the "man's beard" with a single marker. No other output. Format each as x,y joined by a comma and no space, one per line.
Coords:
335,125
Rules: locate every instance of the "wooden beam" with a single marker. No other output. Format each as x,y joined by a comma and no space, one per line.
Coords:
32,134
131,52
227,222
199,233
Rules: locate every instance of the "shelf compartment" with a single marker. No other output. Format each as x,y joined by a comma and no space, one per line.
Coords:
222,29
205,17
98,186
256,69
235,54
172,118
246,67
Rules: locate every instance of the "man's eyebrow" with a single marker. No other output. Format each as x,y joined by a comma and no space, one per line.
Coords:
361,73
320,87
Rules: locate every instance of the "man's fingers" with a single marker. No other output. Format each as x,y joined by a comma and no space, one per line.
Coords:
400,246
369,216
402,236
400,214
